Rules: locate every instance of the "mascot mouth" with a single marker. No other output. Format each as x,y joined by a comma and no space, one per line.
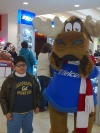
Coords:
70,58
59,61
65,57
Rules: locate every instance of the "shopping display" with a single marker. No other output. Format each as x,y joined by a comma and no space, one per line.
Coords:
6,66
25,29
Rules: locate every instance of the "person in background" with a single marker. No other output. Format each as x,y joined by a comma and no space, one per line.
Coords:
7,45
98,62
92,114
28,55
96,53
43,72
13,53
92,57
19,96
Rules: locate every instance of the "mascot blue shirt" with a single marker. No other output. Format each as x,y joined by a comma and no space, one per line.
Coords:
65,86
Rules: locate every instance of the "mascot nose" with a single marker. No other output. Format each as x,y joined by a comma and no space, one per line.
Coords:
59,41
78,41
75,42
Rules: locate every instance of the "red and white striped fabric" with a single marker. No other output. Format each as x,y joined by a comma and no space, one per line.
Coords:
85,105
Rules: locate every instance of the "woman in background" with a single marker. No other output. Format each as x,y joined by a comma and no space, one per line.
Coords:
44,70
92,57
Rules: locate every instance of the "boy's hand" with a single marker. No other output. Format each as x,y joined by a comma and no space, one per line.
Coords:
9,116
36,110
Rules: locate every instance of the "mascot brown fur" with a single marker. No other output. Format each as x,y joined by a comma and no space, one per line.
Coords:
71,43
64,46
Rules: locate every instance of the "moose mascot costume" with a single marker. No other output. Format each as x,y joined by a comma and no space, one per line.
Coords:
70,90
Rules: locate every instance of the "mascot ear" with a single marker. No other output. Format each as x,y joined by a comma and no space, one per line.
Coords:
92,27
86,66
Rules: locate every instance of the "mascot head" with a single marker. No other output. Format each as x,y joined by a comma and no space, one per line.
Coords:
71,41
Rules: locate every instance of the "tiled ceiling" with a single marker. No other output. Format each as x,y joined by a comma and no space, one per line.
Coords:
94,12
55,7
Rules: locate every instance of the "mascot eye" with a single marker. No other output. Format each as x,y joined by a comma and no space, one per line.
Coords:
68,27
77,27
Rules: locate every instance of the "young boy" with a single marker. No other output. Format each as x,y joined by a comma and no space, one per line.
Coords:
19,96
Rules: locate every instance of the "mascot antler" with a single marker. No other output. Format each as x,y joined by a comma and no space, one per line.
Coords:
92,27
46,27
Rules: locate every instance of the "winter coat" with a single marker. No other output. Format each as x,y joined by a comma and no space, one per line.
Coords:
29,57
7,93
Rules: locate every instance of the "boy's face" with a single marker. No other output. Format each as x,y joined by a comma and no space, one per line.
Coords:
20,67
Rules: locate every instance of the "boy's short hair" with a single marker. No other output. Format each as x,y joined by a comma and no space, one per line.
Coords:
18,59
24,44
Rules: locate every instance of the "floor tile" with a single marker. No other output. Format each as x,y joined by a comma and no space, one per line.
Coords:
41,123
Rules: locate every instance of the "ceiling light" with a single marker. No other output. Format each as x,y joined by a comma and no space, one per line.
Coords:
76,5
25,3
